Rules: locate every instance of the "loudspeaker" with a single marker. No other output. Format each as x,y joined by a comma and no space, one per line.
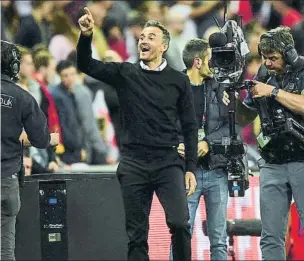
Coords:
71,217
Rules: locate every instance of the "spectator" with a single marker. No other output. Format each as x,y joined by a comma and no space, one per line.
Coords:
110,96
27,162
65,36
132,33
43,62
152,10
35,28
185,9
98,150
71,126
8,20
99,11
27,69
115,38
175,22
44,160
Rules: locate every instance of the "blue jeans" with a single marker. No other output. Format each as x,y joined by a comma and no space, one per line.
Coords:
213,185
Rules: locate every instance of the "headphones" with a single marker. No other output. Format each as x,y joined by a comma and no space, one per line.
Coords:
290,54
14,63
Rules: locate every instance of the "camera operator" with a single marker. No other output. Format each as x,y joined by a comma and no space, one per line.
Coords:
278,87
19,110
211,173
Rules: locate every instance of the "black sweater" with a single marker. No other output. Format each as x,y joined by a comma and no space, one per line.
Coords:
151,102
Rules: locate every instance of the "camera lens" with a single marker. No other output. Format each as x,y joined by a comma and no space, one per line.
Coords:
224,59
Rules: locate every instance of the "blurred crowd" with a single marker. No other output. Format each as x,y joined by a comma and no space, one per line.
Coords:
85,111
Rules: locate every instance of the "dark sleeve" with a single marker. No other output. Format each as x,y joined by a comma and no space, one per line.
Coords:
106,72
68,135
35,123
188,125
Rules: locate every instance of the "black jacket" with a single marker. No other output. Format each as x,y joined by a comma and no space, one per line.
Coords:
19,110
217,125
72,132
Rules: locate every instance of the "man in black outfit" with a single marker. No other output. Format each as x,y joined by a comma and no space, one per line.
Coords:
19,110
152,97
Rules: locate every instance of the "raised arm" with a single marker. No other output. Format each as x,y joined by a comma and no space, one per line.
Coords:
106,72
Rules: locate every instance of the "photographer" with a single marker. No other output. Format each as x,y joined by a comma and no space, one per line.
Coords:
211,173
278,90
19,110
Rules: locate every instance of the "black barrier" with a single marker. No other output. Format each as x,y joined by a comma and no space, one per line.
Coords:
71,217
238,227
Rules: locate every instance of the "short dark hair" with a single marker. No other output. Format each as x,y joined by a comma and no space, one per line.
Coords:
64,64
194,48
278,35
166,34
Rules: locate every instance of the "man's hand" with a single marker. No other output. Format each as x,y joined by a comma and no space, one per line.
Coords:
83,155
110,160
190,182
181,150
226,100
54,139
23,137
261,90
86,23
53,166
202,148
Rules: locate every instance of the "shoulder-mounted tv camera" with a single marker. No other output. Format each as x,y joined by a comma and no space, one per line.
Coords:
276,121
228,51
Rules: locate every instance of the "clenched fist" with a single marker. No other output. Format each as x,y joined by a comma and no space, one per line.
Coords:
86,23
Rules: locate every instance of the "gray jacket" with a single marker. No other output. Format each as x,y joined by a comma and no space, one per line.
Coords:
217,125
84,101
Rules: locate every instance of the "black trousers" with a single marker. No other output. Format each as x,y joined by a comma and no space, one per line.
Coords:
10,206
159,171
